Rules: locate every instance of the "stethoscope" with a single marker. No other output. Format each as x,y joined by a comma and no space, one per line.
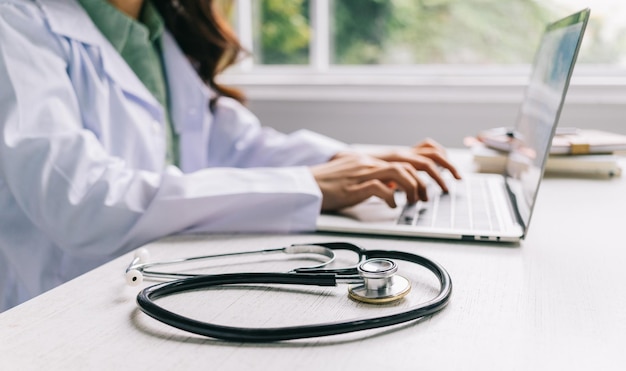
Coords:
373,280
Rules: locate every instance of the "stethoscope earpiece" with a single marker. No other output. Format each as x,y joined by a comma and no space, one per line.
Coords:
133,277
133,274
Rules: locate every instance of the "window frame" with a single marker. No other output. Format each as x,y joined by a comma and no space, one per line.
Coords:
320,80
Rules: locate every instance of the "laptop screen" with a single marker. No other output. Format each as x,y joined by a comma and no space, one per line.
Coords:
540,110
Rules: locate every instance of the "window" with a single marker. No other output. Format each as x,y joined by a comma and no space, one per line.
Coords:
390,71
323,34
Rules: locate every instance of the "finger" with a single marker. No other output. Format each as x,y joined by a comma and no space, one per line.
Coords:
403,175
426,164
373,187
415,188
430,143
422,192
442,161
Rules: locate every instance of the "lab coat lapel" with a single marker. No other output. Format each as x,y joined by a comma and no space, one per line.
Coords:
69,19
189,96
189,106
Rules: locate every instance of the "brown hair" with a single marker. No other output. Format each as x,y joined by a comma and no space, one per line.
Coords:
205,37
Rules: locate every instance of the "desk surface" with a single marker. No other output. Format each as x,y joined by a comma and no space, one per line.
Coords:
556,301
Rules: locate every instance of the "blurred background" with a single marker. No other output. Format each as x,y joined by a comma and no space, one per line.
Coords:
392,72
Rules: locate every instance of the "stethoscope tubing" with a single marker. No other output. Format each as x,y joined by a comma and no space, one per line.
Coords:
326,249
146,297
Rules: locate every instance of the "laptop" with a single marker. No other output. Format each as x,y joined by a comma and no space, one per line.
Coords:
487,207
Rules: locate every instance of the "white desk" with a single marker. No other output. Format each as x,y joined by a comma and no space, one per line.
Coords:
556,302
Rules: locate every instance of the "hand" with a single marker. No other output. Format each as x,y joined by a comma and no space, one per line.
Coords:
352,178
427,156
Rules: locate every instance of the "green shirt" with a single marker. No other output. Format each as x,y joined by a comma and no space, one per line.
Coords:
139,43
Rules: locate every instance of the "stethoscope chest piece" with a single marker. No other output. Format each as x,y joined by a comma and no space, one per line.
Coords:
380,283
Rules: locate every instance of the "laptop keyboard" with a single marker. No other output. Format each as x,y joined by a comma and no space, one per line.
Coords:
467,206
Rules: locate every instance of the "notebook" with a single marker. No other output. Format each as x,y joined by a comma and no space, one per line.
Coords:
487,207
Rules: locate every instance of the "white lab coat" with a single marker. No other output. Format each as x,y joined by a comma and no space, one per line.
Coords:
82,149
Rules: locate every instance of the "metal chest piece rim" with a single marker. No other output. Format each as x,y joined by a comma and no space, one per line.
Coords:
380,283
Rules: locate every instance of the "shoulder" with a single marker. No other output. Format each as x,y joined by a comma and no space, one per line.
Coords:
29,10
24,16
24,28
22,23
43,24
63,18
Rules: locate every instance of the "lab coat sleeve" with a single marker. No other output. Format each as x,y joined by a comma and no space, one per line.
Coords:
91,203
238,139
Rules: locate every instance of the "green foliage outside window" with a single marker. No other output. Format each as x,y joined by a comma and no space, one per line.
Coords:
437,31
284,32
405,32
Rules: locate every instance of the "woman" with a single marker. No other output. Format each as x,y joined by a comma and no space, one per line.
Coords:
113,133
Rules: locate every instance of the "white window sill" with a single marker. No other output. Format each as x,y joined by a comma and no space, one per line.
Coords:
590,84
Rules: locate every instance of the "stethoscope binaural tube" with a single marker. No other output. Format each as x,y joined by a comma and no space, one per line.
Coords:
146,301
140,267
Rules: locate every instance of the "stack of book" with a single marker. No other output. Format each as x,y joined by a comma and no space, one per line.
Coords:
574,152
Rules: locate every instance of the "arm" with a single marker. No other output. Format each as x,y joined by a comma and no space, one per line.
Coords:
238,139
345,176
90,202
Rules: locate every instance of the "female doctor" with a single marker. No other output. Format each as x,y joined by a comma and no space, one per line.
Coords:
113,133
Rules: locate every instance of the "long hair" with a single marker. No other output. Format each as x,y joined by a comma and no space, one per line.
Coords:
205,37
